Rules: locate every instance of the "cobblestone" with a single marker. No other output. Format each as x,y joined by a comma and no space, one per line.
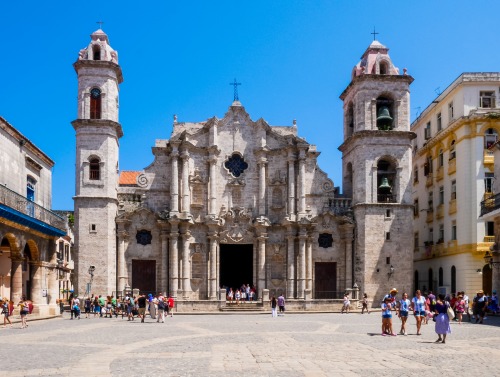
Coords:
244,345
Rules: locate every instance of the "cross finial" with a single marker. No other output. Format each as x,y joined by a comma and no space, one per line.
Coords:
100,24
235,85
374,33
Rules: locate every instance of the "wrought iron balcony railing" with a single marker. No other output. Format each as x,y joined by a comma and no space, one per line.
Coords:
490,204
21,204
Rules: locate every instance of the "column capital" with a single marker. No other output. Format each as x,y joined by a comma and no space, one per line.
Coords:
186,236
185,155
262,161
122,234
213,236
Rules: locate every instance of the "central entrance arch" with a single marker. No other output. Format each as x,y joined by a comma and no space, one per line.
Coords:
236,265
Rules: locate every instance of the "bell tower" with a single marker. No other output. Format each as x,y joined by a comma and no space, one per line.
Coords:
96,177
376,165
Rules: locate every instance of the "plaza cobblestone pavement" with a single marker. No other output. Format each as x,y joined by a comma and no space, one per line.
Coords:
246,345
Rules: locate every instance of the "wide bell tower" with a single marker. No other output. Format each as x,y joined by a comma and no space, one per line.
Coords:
376,163
97,134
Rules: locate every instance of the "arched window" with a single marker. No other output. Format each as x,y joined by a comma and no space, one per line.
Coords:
430,277
384,68
452,150
97,52
94,169
386,177
453,279
490,137
385,109
95,103
440,283
348,184
350,119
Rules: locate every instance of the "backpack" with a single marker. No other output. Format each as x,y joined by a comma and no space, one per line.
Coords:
161,305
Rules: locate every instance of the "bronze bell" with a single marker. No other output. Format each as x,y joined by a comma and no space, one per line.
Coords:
384,119
385,186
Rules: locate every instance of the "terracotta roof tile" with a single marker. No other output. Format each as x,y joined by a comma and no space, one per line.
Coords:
128,178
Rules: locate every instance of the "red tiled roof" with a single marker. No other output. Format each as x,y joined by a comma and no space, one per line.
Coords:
128,178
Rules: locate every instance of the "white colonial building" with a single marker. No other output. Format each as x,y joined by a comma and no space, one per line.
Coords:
452,173
231,201
29,230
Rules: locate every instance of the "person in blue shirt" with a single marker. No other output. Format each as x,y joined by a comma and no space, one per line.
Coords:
387,317
403,307
418,307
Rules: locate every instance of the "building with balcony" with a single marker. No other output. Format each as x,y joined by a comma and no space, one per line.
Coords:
452,173
29,230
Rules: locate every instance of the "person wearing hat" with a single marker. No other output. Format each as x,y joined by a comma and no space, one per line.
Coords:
392,296
479,305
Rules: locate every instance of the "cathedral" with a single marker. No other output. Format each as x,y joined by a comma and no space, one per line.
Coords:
235,201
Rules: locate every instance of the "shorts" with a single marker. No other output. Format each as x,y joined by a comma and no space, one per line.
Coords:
403,313
97,309
282,309
386,316
419,314
129,309
87,310
142,311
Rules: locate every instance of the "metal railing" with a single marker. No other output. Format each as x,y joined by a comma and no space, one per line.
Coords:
490,204
21,204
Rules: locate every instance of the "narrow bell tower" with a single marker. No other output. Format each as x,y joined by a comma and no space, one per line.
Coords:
96,177
376,164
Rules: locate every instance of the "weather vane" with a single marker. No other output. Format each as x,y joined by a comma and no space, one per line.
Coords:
235,85
100,24
374,33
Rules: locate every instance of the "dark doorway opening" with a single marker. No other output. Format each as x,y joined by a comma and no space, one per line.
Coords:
325,275
236,265
144,275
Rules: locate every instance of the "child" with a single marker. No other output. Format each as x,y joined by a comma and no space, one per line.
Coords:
387,318
403,309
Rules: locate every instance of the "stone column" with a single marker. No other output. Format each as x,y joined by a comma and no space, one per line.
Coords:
212,280
301,273
291,266
122,264
302,183
309,263
262,185
16,280
347,236
36,283
53,290
291,185
213,186
174,184
186,265
164,261
174,261
261,267
185,205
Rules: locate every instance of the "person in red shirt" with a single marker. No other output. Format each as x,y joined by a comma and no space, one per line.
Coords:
171,304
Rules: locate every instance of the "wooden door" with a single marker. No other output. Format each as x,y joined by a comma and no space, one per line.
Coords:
325,280
144,275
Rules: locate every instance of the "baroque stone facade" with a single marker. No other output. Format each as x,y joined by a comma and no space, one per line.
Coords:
235,201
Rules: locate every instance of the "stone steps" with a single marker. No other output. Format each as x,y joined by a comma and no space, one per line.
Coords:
243,307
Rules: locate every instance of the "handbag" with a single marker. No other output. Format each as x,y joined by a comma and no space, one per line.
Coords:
450,312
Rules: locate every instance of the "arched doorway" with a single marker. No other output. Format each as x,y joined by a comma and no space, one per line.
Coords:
5,268
487,279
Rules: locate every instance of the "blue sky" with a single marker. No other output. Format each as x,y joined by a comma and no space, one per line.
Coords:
293,58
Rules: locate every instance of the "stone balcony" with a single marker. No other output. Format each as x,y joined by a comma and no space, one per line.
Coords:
488,158
452,166
440,211
440,174
452,207
429,180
